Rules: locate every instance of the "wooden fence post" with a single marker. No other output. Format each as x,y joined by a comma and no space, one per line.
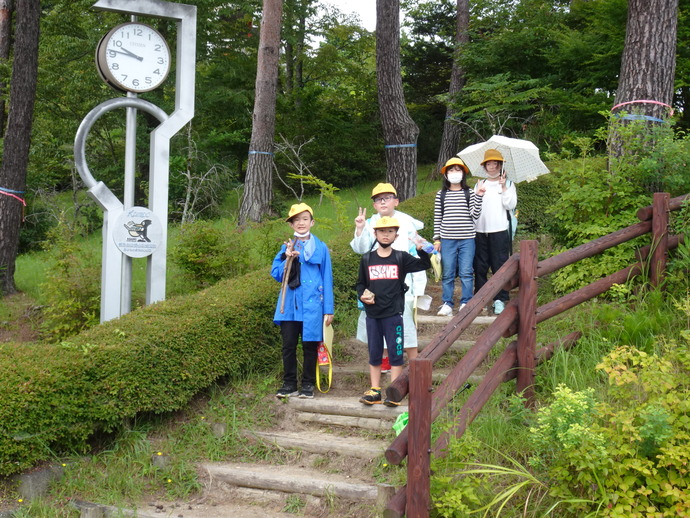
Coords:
419,426
527,321
657,261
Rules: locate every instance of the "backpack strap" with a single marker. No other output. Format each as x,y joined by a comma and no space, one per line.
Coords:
443,199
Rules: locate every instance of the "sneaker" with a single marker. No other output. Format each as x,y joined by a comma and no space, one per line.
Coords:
307,391
499,306
445,311
371,397
390,402
462,306
385,365
286,391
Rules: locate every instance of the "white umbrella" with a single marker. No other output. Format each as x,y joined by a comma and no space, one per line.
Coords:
522,162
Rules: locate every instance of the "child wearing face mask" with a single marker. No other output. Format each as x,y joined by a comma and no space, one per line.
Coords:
456,209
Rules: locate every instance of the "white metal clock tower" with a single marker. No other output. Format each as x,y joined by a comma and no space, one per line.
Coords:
134,58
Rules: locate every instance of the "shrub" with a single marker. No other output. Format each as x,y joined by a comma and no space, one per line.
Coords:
71,288
626,455
208,254
153,359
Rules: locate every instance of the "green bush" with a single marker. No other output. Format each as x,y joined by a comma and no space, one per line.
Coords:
154,359
208,254
71,289
627,454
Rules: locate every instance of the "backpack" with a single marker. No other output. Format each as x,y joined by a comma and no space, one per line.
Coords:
512,218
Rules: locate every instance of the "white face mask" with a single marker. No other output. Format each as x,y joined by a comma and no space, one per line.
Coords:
454,178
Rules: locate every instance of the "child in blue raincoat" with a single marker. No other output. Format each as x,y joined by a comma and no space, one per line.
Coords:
308,303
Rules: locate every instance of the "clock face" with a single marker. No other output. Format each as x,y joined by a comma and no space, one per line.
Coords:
133,57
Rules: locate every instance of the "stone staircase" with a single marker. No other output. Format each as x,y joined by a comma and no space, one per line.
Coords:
330,448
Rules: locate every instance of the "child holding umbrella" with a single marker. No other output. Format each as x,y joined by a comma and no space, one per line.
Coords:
493,240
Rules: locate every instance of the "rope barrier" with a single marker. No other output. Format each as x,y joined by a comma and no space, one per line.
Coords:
647,101
13,194
390,146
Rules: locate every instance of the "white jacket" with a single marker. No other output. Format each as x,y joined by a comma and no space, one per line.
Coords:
404,242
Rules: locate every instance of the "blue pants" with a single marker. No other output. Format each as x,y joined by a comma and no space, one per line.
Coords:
456,261
392,329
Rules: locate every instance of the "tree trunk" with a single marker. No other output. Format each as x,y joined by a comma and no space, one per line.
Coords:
648,64
451,129
258,183
5,44
16,149
399,130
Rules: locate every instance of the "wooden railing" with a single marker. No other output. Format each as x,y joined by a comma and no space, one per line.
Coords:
520,357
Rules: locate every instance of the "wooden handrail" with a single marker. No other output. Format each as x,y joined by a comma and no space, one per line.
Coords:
645,213
447,336
492,380
520,355
397,451
592,248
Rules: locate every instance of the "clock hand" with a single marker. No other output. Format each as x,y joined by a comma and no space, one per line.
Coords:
128,53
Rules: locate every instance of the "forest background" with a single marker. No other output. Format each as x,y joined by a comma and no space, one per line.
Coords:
544,71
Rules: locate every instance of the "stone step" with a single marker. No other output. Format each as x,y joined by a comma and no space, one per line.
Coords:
437,376
323,443
436,320
345,407
297,479
458,345
380,424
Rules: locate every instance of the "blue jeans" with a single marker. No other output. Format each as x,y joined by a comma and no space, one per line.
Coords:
456,261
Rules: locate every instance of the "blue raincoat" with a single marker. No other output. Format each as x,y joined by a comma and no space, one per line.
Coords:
313,298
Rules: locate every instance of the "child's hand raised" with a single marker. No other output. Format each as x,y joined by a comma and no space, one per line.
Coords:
361,219
481,188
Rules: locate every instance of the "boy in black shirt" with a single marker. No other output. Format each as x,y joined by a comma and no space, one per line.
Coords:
381,287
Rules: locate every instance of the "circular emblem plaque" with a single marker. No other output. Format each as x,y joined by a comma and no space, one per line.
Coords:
137,232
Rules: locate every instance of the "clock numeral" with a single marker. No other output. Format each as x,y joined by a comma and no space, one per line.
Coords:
160,61
115,66
157,71
138,32
112,53
158,47
148,80
135,82
117,43
124,78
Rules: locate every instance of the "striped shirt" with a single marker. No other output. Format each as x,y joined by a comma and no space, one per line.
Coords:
457,221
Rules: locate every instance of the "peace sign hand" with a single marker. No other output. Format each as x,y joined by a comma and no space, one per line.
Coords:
361,219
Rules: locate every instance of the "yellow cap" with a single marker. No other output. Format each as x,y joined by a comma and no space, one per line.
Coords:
383,187
455,161
386,222
298,208
492,154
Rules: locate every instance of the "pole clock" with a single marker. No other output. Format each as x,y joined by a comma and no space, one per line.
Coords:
133,57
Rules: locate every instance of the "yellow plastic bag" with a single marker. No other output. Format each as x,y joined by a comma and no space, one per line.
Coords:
436,265
323,357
